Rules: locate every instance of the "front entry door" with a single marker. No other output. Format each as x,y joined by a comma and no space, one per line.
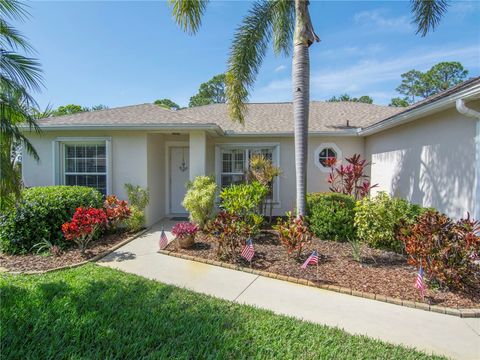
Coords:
179,176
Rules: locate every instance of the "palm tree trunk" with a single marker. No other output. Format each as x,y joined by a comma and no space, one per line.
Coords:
304,37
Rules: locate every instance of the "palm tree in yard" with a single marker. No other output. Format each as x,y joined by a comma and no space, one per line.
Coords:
19,74
287,24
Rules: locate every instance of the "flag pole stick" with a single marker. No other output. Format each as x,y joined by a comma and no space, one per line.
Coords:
317,264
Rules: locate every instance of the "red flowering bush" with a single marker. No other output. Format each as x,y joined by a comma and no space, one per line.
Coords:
184,229
293,233
117,211
349,179
85,223
446,249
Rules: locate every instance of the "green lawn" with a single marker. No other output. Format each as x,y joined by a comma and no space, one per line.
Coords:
94,312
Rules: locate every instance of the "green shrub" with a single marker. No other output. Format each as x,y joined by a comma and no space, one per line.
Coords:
377,220
200,199
243,199
137,196
331,216
40,214
136,221
139,199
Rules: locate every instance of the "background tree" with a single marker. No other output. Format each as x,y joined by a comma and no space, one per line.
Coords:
167,104
99,107
210,92
345,97
287,25
399,102
19,74
420,85
69,110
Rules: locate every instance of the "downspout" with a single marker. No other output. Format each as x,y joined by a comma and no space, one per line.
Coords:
464,110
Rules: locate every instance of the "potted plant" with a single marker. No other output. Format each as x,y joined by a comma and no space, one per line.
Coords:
185,234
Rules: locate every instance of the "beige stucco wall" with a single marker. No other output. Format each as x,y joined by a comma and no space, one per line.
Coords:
316,179
429,161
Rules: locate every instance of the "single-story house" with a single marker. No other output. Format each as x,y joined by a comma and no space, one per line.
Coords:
428,153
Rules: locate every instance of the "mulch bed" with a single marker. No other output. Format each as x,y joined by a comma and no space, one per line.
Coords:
68,257
381,272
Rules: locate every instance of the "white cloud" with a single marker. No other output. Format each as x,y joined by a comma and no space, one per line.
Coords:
280,68
373,77
378,20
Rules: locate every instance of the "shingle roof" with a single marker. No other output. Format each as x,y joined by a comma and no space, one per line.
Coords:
278,117
260,118
143,114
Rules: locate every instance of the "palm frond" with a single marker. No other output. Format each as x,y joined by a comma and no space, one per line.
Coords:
19,69
13,9
283,26
427,14
188,13
246,55
10,37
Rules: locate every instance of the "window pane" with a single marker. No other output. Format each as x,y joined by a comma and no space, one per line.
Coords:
81,165
91,180
70,180
91,151
101,165
91,165
227,162
81,180
101,151
80,151
332,153
70,165
70,151
102,181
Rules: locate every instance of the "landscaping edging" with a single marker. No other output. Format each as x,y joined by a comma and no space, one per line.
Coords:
463,313
93,259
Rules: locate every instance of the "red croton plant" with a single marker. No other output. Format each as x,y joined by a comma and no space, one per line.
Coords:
349,179
293,233
85,223
117,211
446,249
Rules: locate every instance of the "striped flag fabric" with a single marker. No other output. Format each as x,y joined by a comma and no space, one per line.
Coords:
419,284
248,251
312,260
163,240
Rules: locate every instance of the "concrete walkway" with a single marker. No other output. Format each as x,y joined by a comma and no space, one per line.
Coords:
431,332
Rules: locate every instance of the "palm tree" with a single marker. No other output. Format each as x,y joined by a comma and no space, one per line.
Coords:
18,75
287,24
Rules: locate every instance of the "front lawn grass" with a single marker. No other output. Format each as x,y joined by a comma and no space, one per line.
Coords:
95,312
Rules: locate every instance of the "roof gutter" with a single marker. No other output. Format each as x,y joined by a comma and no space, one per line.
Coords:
463,109
345,132
146,127
411,115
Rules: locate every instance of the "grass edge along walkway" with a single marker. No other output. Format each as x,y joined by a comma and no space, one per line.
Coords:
96,312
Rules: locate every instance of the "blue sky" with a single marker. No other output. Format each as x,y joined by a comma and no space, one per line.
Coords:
122,53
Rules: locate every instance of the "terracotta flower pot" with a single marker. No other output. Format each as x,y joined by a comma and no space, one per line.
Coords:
186,241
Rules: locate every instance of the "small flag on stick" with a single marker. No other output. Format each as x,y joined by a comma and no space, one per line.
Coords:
163,240
248,251
312,260
419,284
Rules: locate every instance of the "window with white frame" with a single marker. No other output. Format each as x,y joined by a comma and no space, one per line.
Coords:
235,160
85,164
324,152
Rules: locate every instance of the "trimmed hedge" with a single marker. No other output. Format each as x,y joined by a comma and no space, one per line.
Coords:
40,214
331,216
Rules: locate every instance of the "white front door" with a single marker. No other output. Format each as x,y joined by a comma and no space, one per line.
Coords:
179,176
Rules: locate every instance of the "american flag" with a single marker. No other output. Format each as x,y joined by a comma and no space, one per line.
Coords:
163,240
248,251
312,260
419,284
